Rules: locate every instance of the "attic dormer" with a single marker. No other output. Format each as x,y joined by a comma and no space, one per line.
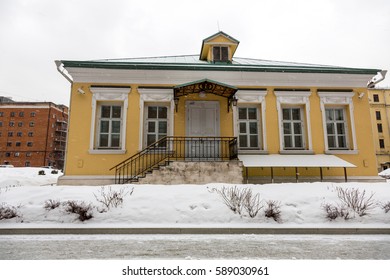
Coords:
218,48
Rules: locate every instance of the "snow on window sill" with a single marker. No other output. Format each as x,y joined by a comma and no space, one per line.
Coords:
341,152
252,152
107,152
297,152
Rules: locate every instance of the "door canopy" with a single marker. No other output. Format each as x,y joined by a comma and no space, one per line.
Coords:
205,86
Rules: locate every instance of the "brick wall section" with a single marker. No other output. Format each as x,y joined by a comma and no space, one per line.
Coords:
33,133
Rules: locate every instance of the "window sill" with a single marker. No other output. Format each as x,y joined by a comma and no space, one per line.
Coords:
297,152
341,152
253,152
107,152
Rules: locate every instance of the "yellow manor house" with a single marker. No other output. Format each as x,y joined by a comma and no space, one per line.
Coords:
214,117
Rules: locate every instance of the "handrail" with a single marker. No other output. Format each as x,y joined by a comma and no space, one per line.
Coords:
176,148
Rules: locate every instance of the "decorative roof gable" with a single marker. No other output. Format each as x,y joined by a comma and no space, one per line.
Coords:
220,40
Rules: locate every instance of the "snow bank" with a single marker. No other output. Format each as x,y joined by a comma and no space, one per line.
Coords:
179,205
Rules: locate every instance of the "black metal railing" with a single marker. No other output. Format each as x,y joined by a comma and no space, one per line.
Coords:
174,148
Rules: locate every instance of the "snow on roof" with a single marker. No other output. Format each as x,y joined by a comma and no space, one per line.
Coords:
293,161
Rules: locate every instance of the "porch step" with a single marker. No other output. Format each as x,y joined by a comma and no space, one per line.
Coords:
182,172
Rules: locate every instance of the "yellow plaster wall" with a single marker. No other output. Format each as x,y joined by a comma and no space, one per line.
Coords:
80,162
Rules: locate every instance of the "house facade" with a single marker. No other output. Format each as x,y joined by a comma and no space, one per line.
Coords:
380,117
32,133
277,119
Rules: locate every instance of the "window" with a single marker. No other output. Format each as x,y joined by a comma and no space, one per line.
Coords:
293,137
1,124
27,164
336,128
157,123
32,114
20,124
294,121
16,154
30,134
12,114
21,114
109,124
220,54
28,154
1,114
9,144
248,128
17,144
29,144
10,134
381,143
12,124
378,115
19,134
338,122
7,154
31,124
376,97
380,128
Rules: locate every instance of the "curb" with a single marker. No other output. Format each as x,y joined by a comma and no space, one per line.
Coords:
90,231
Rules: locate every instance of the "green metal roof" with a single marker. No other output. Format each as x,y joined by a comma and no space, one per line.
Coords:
192,63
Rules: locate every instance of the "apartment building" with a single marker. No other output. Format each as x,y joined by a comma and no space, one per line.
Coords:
32,133
380,116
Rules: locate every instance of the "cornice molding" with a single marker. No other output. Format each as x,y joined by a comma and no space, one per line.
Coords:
237,78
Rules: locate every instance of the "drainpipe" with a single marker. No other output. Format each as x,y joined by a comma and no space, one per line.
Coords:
375,80
61,69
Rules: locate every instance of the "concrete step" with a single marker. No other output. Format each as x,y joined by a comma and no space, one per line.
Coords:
183,172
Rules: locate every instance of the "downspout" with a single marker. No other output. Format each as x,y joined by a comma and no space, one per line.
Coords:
371,83
61,69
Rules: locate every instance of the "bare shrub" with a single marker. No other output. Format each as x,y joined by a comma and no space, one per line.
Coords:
112,198
356,200
233,197
51,204
272,210
8,212
386,206
252,203
333,212
81,208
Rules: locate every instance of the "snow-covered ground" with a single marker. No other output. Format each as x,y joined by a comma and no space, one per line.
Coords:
301,204
385,174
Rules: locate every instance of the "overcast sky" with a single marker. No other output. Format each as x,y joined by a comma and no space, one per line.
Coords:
34,33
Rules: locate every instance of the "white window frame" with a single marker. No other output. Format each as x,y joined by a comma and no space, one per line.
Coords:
335,122
334,99
297,99
156,97
110,120
301,121
155,120
252,98
100,95
247,122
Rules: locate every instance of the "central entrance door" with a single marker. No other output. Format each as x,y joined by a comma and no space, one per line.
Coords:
202,120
